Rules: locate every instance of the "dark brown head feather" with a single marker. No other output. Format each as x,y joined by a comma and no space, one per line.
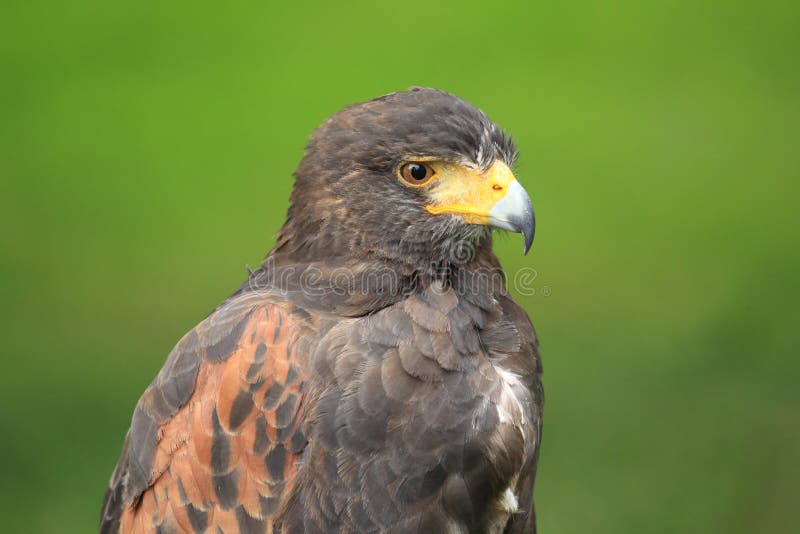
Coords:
348,201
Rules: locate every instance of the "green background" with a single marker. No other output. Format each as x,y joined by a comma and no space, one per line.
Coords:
146,154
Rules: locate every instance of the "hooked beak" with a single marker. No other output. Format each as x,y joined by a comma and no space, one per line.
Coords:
493,198
514,212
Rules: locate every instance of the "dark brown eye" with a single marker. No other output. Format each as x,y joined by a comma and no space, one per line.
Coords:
416,174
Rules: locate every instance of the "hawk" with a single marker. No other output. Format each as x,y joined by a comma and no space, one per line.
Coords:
373,374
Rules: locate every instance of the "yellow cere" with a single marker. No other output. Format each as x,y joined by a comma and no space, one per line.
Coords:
468,192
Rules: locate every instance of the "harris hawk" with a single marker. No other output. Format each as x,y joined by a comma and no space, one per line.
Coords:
373,374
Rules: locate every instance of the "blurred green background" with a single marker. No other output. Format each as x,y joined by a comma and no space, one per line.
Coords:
146,154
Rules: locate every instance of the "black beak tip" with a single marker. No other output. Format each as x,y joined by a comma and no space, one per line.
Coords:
528,230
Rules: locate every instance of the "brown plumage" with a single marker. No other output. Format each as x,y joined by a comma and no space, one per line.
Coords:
373,375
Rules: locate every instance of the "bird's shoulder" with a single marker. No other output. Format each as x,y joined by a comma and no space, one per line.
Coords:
212,439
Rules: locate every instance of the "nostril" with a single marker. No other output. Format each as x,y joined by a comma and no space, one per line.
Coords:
497,187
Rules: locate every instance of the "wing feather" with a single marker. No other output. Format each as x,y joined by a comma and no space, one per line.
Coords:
215,438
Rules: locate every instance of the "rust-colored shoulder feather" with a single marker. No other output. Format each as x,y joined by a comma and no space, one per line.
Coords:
214,439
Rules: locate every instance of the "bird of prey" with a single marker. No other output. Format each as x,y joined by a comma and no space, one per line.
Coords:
373,375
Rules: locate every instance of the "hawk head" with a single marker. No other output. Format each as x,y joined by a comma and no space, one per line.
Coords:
413,177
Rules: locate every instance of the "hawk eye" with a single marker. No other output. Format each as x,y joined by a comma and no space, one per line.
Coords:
416,174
